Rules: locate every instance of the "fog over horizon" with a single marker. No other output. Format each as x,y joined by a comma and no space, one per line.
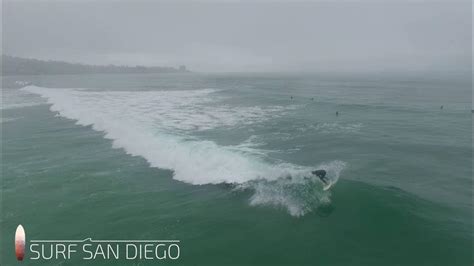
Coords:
244,36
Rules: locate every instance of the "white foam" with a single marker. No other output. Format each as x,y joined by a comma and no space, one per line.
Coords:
299,195
22,83
155,126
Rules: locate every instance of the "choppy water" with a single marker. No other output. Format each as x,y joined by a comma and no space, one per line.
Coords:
223,163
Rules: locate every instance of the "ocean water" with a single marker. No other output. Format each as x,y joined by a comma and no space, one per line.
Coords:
222,162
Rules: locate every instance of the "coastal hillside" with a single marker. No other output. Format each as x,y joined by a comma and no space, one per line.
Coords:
24,66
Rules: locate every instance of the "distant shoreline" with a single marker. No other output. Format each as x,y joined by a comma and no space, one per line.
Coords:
17,66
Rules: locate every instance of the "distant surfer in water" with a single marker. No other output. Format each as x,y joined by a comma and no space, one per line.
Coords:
337,113
322,175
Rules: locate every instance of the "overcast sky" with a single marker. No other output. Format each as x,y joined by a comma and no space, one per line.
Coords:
245,36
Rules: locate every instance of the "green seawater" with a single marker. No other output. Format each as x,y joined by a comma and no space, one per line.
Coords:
221,162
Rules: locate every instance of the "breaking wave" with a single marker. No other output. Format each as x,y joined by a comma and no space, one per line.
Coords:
157,126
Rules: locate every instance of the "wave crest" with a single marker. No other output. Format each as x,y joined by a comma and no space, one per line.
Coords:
153,125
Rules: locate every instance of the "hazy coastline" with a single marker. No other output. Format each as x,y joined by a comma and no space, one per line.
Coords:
16,66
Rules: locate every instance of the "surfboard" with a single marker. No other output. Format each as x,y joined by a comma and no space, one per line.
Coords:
327,186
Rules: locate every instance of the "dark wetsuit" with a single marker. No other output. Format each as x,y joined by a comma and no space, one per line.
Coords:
321,174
